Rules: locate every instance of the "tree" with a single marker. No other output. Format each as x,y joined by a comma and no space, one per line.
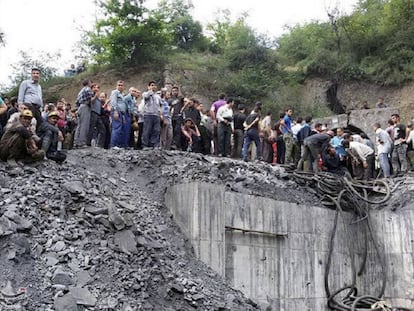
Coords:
186,33
127,35
252,66
22,69
374,42
218,30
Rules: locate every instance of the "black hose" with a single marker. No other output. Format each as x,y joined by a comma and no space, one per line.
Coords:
344,194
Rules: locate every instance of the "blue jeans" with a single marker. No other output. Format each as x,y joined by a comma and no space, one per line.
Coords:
151,131
252,135
127,129
118,131
384,164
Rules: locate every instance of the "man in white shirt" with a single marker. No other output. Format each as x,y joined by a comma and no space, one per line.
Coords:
362,157
384,147
225,128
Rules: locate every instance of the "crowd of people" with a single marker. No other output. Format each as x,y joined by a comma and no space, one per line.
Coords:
163,118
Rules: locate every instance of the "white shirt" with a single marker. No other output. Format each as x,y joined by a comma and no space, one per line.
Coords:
295,129
225,112
359,150
384,142
410,138
15,117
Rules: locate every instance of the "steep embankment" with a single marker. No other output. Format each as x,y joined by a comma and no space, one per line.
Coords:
351,94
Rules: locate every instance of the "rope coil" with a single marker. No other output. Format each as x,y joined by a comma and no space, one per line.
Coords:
345,194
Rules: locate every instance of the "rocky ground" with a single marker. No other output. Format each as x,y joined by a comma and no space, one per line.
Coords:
94,234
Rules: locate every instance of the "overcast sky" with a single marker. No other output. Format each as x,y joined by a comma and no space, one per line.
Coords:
55,25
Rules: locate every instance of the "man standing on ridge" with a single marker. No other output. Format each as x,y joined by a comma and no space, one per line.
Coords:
225,128
238,136
152,117
176,103
288,136
130,101
30,92
119,110
85,97
214,108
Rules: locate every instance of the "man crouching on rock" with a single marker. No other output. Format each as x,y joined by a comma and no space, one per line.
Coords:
51,138
18,144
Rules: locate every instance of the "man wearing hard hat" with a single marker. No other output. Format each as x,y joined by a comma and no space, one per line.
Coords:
17,143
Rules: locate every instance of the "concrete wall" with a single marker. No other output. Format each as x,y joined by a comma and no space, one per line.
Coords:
286,269
362,119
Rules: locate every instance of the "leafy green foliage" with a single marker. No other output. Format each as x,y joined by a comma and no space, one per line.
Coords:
252,67
218,30
374,43
186,33
22,69
127,36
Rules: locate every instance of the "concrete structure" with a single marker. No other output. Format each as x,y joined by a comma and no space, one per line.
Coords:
361,119
282,263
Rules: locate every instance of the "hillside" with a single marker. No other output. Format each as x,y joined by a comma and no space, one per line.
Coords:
312,93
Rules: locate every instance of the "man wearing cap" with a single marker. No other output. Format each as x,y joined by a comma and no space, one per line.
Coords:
15,118
50,136
30,92
17,143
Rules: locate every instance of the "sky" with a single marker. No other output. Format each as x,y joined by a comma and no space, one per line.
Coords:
55,26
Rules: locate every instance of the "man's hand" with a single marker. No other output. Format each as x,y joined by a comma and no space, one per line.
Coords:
60,136
116,115
365,164
31,147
